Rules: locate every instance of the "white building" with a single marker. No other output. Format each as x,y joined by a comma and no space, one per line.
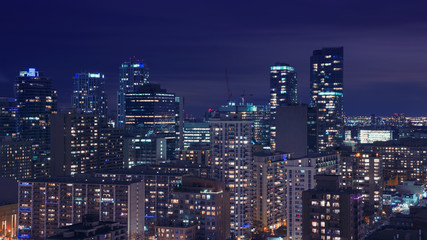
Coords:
300,177
231,162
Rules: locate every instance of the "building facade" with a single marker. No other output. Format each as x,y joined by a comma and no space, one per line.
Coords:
36,101
326,87
330,212
48,204
231,151
89,94
300,174
133,74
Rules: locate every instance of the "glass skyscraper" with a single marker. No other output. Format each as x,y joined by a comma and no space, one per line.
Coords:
283,85
133,75
153,110
89,94
326,86
36,101
283,91
8,112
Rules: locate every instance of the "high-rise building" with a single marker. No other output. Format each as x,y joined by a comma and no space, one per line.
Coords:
8,112
36,101
133,75
269,190
231,151
204,203
153,110
110,148
141,150
48,204
196,132
364,172
296,130
89,94
403,159
74,143
16,159
300,174
330,212
159,185
283,85
258,114
326,87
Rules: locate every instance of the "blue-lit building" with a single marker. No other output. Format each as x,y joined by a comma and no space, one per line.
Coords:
36,101
8,111
196,133
89,94
155,112
326,86
133,75
283,92
260,116
283,85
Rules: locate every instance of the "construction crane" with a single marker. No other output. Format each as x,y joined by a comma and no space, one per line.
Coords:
245,95
229,94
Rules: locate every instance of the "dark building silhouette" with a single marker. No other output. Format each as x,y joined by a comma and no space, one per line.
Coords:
330,212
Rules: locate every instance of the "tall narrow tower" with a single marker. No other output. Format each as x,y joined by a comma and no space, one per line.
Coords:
89,94
326,87
232,158
133,74
36,101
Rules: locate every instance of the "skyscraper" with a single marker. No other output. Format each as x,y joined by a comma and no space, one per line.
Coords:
283,91
153,110
330,212
326,87
133,74
74,143
36,101
283,85
8,112
232,158
89,94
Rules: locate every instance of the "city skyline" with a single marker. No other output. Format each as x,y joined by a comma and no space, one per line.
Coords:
384,54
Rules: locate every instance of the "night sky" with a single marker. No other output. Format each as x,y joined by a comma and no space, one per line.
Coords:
188,44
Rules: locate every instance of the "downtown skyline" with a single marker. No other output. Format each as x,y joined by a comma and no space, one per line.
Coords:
384,72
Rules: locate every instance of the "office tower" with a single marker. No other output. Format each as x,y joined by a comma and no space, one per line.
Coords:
159,185
179,123
91,229
296,130
48,204
364,172
110,148
89,94
8,120
402,159
330,212
204,203
269,189
283,85
232,158
133,74
16,159
196,132
196,154
326,87
258,114
142,150
300,177
153,110
74,143
36,101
